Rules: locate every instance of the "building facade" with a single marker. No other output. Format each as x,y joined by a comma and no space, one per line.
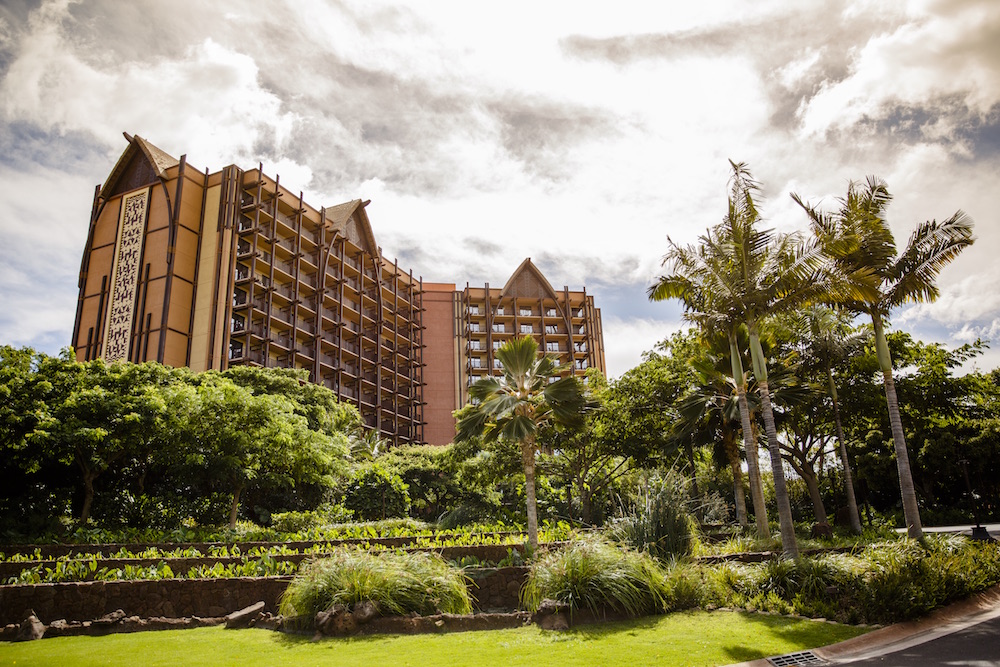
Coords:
209,270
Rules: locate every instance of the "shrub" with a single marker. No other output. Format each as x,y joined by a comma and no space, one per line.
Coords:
593,574
374,493
398,582
659,522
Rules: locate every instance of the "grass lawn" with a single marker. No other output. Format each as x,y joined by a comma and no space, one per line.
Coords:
692,639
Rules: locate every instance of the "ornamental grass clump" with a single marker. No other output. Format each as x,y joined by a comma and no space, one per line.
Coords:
592,574
398,582
659,521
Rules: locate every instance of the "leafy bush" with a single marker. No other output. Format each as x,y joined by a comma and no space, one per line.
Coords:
659,522
593,574
375,493
398,582
297,522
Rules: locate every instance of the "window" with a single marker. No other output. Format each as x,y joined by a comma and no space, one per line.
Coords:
475,362
525,312
496,345
235,349
500,311
475,345
239,323
473,310
474,327
552,347
497,364
581,364
581,347
550,329
239,297
527,329
551,312
499,328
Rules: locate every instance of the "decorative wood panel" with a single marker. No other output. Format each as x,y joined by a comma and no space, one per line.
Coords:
125,276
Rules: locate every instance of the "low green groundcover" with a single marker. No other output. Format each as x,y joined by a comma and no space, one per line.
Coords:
692,639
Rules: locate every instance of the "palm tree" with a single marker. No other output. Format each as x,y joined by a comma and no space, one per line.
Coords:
861,246
701,278
518,404
774,273
829,340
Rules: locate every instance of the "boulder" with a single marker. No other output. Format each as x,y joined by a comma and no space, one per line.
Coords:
243,617
31,628
365,611
552,615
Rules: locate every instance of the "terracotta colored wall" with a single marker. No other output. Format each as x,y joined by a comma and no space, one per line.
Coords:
439,359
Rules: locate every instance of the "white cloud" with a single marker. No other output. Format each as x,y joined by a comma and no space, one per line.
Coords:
209,100
941,52
632,337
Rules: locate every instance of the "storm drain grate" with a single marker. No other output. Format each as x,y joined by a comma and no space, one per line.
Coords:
796,659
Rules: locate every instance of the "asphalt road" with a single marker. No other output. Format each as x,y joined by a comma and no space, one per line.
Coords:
975,646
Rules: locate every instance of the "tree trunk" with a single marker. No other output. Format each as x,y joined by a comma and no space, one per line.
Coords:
788,542
749,442
234,510
911,512
733,454
88,495
528,460
852,502
812,483
689,447
756,486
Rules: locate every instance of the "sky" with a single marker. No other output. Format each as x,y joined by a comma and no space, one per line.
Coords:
581,135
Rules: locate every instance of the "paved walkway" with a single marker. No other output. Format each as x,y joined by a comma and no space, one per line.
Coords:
963,634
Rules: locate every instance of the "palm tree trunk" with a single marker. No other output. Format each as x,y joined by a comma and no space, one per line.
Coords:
733,454
749,442
852,502
756,487
788,543
911,512
528,460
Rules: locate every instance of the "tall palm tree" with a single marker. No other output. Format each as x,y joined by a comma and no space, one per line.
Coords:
774,273
829,340
519,403
861,246
701,278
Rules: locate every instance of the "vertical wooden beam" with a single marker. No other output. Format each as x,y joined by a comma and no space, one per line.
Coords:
173,224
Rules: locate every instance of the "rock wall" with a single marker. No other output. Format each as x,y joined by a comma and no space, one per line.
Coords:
172,598
497,588
492,589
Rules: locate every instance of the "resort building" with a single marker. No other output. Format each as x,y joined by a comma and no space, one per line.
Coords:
209,270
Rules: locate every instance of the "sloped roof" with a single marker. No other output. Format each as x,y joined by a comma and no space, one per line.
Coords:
158,160
524,277
342,218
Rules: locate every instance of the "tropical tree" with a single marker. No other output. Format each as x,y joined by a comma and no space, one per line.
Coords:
702,278
861,247
515,406
752,274
827,339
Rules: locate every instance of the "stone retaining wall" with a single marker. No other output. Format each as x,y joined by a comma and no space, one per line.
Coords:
85,601
174,598
48,551
483,552
497,588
